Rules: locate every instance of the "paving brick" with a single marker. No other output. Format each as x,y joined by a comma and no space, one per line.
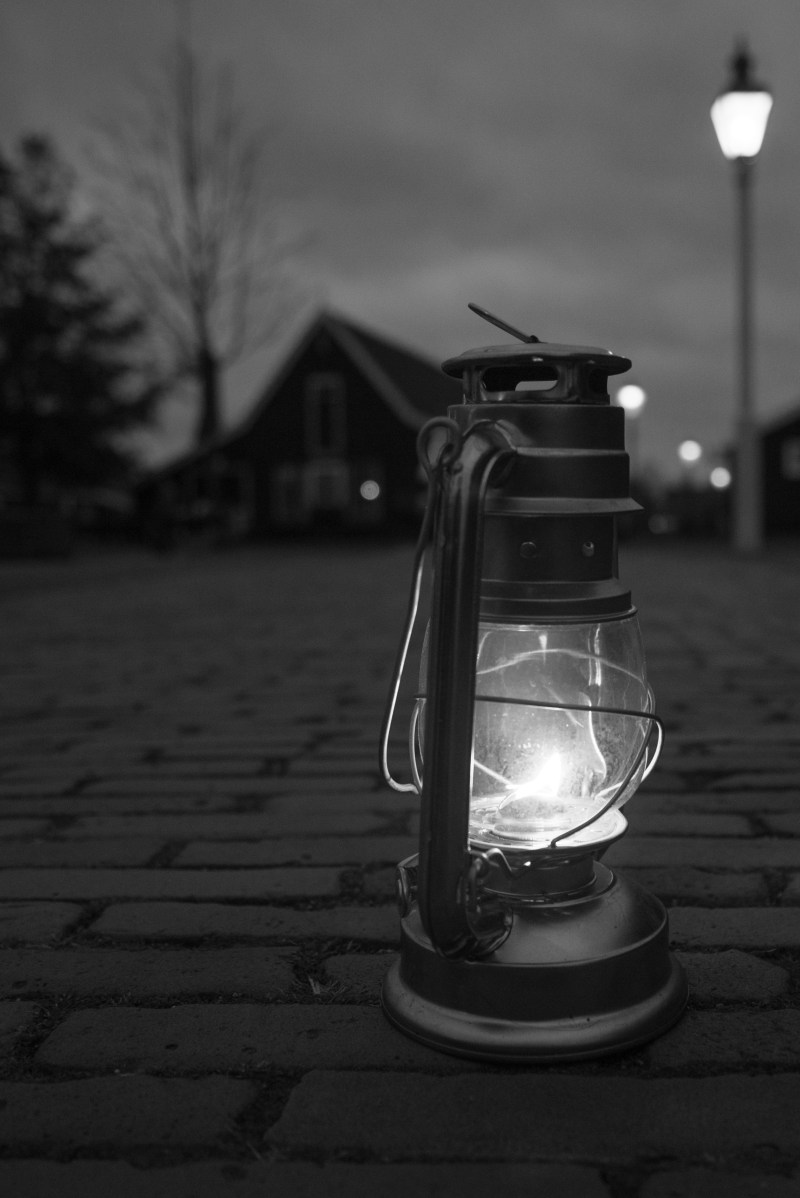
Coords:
14,1018
319,850
763,852
35,922
227,1037
643,822
361,973
706,1183
381,883
383,800
50,776
218,1179
759,780
791,895
749,802
10,828
729,758
167,883
23,790
152,775
784,825
70,854
231,826
729,1040
105,805
756,928
100,1179
705,887
733,976
119,1111
258,973
263,787
581,1119
194,921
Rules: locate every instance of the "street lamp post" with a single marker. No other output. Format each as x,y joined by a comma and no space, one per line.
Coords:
740,115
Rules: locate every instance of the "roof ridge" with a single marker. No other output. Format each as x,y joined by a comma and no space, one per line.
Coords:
364,357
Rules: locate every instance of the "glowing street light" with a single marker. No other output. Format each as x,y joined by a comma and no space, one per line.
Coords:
531,727
632,399
690,452
739,114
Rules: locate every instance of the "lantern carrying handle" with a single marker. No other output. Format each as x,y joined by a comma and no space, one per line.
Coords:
433,468
458,924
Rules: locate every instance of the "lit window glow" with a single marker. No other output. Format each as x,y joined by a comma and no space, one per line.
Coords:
369,490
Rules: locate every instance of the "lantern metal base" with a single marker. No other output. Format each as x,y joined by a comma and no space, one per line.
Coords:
574,979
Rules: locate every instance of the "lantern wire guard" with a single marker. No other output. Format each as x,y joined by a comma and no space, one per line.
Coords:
518,947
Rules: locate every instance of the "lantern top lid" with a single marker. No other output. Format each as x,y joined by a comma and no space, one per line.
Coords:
543,352
534,371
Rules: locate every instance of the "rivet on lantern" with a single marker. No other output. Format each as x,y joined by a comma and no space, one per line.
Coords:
531,727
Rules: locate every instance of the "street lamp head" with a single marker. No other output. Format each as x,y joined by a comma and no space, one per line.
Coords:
741,111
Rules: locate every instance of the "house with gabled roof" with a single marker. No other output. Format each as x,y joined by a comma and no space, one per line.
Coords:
780,441
330,444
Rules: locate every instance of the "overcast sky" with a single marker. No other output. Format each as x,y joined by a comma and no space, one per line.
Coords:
552,160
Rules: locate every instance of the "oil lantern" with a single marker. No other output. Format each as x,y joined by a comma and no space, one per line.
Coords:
532,725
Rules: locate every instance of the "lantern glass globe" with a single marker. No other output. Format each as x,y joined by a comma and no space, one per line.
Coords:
547,754
540,770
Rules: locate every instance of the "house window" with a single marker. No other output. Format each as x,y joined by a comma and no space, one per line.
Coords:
325,415
790,458
287,501
327,486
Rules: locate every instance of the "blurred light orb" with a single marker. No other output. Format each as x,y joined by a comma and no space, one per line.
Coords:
369,490
690,451
720,478
632,398
740,121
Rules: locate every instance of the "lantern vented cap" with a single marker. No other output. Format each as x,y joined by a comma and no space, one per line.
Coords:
542,372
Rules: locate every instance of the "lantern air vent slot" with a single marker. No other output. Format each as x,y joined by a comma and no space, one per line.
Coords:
532,376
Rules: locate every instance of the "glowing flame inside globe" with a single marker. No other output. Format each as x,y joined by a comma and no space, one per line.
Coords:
557,737
551,756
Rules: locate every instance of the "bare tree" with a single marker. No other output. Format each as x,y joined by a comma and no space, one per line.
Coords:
183,188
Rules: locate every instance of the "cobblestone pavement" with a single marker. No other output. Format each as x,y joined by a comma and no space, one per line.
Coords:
196,895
